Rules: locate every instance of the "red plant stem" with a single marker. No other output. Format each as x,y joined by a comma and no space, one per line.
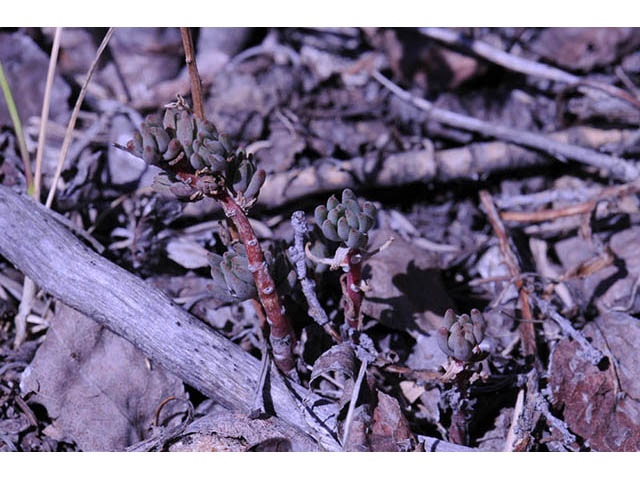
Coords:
194,76
354,292
282,336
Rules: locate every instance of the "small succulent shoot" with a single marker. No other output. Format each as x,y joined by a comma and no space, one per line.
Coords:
197,160
232,275
348,222
461,335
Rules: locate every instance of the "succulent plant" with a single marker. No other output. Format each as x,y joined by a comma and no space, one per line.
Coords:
181,143
231,273
461,335
346,221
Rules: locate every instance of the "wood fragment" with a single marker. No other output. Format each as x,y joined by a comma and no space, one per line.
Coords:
62,265
525,328
462,163
613,166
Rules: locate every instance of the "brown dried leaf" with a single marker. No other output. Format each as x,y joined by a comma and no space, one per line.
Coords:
95,385
358,441
594,406
390,430
341,360
585,48
612,285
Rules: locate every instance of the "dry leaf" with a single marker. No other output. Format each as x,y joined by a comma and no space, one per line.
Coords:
95,385
390,430
236,432
339,360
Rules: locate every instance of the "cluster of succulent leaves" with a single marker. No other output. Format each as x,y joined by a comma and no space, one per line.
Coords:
346,221
184,143
461,335
233,278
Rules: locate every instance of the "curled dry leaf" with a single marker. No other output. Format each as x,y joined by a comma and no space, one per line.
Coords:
339,362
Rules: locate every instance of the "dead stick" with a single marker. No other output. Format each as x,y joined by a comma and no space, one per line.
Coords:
47,252
194,76
578,209
617,167
525,328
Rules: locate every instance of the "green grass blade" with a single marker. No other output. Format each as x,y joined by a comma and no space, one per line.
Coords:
17,125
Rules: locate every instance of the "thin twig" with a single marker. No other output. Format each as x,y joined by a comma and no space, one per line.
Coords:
29,288
522,65
258,408
567,437
617,167
17,125
74,116
352,403
194,76
578,209
527,333
592,353
44,116
316,311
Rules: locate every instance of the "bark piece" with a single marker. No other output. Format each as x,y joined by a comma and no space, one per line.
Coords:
233,432
594,406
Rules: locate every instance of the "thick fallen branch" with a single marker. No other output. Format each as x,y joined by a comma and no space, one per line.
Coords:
48,253
469,162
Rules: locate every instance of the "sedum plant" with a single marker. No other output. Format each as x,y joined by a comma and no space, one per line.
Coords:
197,162
461,335
196,159
348,222
232,275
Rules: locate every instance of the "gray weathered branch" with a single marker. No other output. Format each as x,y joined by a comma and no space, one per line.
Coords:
40,246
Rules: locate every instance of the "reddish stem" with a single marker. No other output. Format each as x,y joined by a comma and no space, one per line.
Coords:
353,290
194,76
282,336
